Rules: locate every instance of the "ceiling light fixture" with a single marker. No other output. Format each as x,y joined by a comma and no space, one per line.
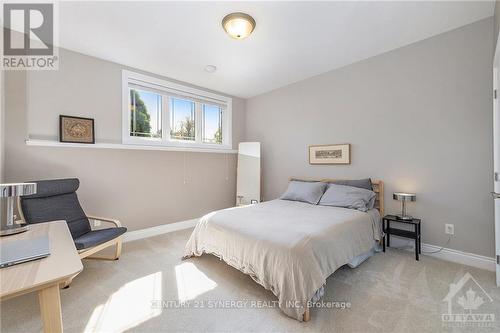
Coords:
238,25
210,68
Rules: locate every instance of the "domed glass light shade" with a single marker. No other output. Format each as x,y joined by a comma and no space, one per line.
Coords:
238,25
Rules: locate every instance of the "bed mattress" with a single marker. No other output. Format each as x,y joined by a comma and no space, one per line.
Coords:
288,247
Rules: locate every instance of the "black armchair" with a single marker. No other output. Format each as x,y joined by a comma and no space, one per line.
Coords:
57,200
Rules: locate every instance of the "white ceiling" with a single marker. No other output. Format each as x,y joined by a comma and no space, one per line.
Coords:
292,40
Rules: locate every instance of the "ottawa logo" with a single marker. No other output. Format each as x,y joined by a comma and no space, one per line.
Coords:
465,298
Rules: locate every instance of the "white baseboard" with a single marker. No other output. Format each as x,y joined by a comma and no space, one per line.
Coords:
459,257
158,230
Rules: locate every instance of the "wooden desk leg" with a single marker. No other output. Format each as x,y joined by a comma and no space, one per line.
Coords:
50,308
307,315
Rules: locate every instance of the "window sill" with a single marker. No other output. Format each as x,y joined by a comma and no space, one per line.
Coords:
52,143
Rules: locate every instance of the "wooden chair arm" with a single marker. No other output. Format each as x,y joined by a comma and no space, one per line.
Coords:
105,219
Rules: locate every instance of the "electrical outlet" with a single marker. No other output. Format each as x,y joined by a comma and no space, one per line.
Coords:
449,229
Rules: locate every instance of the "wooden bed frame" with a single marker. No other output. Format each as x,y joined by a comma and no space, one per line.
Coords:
378,188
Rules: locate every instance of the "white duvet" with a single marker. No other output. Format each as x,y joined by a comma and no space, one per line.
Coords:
288,247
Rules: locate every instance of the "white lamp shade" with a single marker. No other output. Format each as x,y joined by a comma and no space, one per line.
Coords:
401,196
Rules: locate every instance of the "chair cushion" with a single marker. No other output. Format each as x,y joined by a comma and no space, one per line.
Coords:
58,207
96,237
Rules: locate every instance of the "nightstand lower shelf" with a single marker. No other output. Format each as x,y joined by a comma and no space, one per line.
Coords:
402,233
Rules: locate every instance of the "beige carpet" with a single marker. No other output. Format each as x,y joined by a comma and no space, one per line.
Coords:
390,292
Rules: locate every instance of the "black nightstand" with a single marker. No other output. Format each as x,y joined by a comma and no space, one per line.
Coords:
415,234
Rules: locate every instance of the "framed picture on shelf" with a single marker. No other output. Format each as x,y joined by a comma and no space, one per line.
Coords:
76,129
330,154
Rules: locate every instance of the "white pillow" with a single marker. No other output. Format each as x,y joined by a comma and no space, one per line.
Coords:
309,192
348,197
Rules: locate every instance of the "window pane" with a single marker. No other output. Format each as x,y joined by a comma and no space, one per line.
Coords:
212,124
145,114
182,125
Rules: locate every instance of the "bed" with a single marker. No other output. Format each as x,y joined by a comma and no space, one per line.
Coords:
290,247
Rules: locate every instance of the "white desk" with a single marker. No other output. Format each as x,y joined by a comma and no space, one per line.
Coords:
44,275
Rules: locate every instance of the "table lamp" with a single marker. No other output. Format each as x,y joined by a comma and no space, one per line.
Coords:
404,197
11,192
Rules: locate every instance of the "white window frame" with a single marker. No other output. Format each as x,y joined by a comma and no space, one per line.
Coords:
171,89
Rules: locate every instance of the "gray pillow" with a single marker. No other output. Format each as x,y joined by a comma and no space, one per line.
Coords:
309,192
361,183
348,197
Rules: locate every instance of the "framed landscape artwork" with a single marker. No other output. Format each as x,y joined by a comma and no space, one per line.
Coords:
76,129
330,154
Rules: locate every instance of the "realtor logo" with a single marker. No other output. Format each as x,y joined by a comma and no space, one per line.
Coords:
465,298
29,36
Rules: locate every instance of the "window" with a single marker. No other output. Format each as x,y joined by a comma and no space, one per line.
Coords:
182,119
159,112
212,124
145,114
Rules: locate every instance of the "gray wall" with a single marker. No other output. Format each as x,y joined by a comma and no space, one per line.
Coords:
88,86
419,118
141,188
2,143
496,24
3,204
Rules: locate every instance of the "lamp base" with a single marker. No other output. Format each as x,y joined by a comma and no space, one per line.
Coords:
403,217
7,230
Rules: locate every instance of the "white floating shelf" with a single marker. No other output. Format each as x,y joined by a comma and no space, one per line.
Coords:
52,143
